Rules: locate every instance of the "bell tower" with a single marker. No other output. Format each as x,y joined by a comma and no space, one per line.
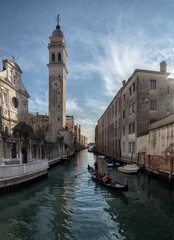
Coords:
57,82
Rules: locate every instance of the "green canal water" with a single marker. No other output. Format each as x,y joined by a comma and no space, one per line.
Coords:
69,205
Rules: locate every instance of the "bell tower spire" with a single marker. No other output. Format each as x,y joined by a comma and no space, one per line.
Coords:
57,82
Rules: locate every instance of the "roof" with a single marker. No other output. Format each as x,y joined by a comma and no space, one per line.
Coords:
57,32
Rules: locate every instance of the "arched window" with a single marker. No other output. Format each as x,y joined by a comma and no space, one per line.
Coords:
53,57
59,57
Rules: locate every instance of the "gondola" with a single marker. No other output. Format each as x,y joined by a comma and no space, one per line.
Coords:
115,185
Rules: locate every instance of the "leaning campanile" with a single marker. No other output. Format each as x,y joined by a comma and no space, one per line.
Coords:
57,82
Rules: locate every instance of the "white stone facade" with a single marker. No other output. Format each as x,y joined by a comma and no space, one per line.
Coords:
13,96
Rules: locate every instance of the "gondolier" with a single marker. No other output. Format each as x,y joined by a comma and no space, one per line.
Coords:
96,166
114,184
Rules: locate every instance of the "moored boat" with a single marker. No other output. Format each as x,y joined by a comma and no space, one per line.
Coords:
91,149
101,156
112,162
129,168
114,185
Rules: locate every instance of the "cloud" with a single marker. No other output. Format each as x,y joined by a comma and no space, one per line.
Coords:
72,107
95,106
115,55
39,104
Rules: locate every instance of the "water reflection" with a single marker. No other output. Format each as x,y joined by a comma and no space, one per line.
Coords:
70,205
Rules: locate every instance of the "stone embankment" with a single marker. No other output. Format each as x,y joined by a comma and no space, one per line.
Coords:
15,176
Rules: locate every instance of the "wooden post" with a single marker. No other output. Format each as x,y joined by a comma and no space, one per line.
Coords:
171,169
148,164
131,156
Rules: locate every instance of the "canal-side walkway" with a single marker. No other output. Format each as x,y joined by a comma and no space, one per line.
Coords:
15,176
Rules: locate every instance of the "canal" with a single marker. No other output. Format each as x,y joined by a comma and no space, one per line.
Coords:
69,205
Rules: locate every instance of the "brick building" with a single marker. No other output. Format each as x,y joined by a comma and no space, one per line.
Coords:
144,98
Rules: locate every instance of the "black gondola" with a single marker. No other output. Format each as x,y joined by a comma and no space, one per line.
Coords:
114,185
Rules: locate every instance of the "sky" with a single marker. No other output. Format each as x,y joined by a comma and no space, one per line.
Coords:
106,41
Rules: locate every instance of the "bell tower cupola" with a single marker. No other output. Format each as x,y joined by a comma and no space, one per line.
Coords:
57,82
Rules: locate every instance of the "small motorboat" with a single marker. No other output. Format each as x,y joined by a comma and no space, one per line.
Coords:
129,168
114,185
91,149
101,156
112,162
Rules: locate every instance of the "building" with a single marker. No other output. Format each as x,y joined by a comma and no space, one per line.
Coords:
155,149
57,83
13,108
144,98
70,123
108,130
13,96
39,123
83,141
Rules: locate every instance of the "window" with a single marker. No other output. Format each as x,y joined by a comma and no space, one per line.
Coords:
15,102
124,98
59,57
119,105
168,90
53,57
130,129
130,91
130,147
112,110
131,108
119,124
124,147
133,86
153,105
116,128
123,114
123,131
116,108
153,84
168,107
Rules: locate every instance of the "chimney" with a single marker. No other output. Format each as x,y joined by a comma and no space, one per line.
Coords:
123,82
163,67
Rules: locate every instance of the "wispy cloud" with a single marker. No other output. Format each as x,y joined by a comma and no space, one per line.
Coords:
39,104
95,106
72,107
117,54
